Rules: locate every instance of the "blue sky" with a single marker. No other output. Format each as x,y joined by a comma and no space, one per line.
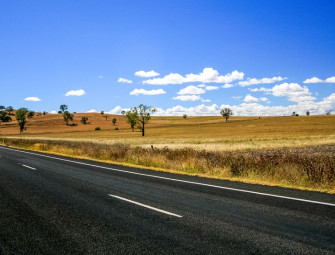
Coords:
256,57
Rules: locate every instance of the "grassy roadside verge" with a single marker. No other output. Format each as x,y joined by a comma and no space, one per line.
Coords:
311,168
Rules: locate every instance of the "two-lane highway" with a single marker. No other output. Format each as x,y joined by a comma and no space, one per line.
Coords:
57,205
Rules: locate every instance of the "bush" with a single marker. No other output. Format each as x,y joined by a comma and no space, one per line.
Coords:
184,116
97,128
116,128
84,120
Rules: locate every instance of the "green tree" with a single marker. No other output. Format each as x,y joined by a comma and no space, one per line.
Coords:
144,115
63,107
21,118
226,113
132,118
308,113
67,116
102,112
4,117
2,108
30,114
114,121
184,116
84,120
9,109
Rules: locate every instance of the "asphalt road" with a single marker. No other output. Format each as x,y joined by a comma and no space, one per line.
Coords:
57,205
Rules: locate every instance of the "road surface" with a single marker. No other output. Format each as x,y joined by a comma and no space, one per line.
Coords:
57,205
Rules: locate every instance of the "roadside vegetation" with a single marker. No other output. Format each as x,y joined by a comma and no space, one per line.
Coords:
307,167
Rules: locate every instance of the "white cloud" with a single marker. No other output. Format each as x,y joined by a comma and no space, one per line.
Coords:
262,89
317,80
227,86
236,97
264,99
206,100
193,90
92,110
254,81
53,112
313,80
201,86
293,91
78,92
206,76
100,77
117,110
188,98
123,80
250,99
211,87
153,92
151,73
34,99
330,79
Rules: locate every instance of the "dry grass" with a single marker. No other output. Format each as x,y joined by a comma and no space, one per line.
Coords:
286,151
307,168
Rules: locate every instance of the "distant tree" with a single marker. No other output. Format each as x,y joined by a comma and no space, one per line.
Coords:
9,109
184,116
308,113
67,116
30,114
45,113
132,117
60,112
226,113
2,108
84,120
4,117
102,112
328,113
63,107
114,121
144,115
21,118
295,114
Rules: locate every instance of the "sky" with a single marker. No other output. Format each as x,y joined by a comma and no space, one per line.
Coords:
259,58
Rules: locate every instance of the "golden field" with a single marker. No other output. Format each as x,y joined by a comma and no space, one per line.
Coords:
294,151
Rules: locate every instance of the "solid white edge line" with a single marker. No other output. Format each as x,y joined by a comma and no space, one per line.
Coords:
176,180
32,168
146,206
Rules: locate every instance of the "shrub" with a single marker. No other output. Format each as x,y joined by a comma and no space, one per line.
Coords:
97,129
116,128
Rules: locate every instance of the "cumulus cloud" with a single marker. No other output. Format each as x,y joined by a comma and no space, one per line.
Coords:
188,98
250,99
78,92
254,81
264,99
317,80
53,112
313,80
34,99
151,73
227,86
330,79
211,87
117,110
92,110
208,75
124,80
262,89
293,91
193,90
153,92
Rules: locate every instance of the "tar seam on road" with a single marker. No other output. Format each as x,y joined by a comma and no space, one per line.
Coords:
176,180
146,206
